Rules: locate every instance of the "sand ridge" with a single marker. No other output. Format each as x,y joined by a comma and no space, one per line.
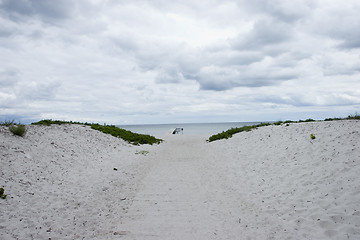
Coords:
61,182
274,182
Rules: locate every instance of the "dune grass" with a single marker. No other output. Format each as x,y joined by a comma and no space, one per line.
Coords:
355,116
7,123
48,122
2,195
130,137
229,133
19,130
134,138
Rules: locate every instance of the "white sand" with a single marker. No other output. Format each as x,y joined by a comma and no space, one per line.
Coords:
270,183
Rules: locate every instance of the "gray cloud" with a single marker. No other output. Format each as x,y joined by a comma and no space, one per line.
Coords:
47,10
219,79
238,58
29,91
128,60
265,32
9,77
284,11
339,22
326,99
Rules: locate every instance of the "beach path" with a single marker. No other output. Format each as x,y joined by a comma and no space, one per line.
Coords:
179,197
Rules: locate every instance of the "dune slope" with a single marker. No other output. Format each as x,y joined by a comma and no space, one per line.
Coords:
274,182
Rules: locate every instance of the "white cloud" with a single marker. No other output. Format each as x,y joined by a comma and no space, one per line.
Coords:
157,61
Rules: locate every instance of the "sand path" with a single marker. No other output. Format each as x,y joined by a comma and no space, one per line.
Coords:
179,194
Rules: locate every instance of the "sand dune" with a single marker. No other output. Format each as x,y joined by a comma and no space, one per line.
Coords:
271,183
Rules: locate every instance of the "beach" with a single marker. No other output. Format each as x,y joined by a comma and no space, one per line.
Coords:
274,182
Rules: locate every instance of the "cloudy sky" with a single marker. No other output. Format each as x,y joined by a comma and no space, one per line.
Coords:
158,61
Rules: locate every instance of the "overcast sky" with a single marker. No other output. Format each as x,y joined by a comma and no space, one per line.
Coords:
157,61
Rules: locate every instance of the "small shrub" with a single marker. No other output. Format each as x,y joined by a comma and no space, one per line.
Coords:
354,117
229,133
7,123
130,137
332,119
48,122
2,195
289,121
312,136
19,130
307,120
143,152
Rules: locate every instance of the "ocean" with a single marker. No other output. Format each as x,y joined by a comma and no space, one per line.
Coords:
159,130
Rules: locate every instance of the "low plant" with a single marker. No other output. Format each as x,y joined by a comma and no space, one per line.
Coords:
48,122
7,123
229,133
143,152
19,130
285,122
130,137
332,119
2,195
356,116
307,120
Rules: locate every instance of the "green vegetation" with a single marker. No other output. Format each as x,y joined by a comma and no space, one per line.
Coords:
48,122
356,116
307,120
333,119
130,137
7,123
19,130
143,152
353,117
228,134
2,195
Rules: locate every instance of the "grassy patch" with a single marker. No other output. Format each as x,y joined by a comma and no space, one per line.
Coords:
333,119
7,123
19,130
354,117
130,137
143,152
48,122
307,120
2,195
229,133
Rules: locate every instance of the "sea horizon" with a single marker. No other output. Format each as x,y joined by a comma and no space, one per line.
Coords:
159,130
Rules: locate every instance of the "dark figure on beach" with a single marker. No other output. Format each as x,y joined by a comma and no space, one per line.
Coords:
178,130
